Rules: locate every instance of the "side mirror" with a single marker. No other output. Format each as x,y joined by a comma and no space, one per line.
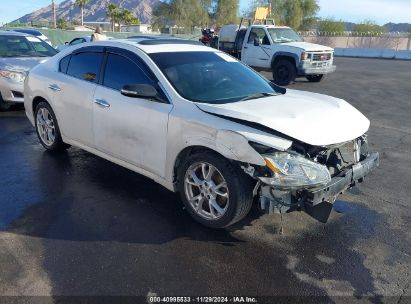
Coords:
256,41
139,90
66,42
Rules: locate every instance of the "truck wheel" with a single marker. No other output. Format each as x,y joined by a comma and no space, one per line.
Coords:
216,193
314,78
48,129
284,72
3,105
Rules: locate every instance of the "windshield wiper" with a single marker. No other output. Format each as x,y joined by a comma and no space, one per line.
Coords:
257,95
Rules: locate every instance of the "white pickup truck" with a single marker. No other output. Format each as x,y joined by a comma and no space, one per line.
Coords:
278,49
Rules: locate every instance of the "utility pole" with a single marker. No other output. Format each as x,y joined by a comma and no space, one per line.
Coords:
53,5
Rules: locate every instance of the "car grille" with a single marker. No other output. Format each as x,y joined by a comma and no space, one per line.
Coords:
321,57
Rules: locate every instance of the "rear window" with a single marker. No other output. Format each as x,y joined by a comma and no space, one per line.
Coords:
85,66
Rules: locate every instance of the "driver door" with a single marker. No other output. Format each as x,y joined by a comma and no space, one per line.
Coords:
257,56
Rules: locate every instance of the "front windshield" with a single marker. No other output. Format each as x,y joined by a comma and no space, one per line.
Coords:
24,46
280,35
211,77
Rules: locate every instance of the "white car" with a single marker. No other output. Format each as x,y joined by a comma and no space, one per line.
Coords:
199,122
19,52
33,32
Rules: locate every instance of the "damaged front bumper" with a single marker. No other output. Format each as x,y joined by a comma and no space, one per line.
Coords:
316,201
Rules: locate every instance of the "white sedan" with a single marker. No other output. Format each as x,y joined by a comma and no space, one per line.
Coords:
200,123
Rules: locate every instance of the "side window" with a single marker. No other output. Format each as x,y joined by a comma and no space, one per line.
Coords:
260,34
64,64
121,71
77,41
85,66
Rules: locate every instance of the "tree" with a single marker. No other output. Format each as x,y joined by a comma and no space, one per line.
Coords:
61,24
128,18
226,12
293,13
368,26
298,14
112,12
310,9
161,16
81,4
183,13
331,26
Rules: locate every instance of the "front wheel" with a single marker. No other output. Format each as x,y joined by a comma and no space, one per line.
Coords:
215,192
47,128
3,105
314,78
284,72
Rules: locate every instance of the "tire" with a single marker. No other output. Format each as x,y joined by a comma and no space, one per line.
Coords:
45,121
314,78
239,190
3,105
284,72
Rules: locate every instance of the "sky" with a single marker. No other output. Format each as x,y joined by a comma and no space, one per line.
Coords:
381,11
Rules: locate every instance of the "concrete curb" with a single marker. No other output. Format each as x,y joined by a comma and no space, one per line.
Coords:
373,53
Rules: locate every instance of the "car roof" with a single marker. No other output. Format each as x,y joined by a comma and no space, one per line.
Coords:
28,31
163,45
13,33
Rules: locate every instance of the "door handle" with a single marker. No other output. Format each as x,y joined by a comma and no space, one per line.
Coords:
102,102
54,87
246,47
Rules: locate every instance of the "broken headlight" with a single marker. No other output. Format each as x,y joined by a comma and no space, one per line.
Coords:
291,171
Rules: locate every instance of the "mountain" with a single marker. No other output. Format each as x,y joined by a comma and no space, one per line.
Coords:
390,27
398,27
95,10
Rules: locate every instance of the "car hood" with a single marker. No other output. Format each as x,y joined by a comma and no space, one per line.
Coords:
307,46
315,119
20,64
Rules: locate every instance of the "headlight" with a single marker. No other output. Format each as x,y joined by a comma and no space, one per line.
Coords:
294,171
15,76
305,56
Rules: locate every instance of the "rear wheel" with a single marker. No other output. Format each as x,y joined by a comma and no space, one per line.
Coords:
314,78
284,72
215,192
47,128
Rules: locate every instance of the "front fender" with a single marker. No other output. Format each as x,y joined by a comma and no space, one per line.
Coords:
286,54
231,145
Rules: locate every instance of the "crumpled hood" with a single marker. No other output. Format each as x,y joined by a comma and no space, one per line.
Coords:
307,46
20,64
315,119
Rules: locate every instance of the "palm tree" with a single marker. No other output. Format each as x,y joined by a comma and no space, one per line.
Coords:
112,11
81,4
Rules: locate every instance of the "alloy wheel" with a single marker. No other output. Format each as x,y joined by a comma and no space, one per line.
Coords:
45,126
206,190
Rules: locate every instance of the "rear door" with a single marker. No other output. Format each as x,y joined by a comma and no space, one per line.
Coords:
131,129
74,92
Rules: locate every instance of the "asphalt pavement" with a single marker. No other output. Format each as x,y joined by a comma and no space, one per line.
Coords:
75,224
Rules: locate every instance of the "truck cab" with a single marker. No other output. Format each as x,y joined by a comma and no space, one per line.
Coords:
278,49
